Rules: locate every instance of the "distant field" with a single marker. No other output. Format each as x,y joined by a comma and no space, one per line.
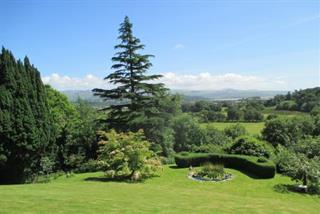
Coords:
252,128
284,113
172,192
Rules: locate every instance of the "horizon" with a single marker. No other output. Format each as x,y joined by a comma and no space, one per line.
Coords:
246,45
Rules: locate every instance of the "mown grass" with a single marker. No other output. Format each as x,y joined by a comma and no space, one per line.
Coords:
252,128
172,192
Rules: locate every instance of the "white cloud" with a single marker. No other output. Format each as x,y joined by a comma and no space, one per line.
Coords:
208,81
201,81
74,83
178,46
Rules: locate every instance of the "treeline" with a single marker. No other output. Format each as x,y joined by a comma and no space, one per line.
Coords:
40,130
300,100
26,128
249,110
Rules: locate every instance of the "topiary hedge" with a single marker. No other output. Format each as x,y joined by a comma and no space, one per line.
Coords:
240,162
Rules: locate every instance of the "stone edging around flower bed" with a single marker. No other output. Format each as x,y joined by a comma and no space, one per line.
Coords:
207,180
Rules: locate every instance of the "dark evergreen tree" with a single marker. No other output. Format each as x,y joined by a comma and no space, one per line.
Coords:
25,123
132,84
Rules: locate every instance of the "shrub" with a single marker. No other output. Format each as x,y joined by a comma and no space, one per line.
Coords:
251,114
271,116
215,136
301,162
262,160
286,131
289,105
208,148
127,155
248,164
89,166
247,145
216,116
235,131
187,133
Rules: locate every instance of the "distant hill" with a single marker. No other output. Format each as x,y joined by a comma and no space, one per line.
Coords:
226,94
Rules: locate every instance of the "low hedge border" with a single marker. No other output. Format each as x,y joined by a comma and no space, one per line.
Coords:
244,163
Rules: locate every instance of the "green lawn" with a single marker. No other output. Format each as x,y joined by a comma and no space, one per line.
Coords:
172,192
252,128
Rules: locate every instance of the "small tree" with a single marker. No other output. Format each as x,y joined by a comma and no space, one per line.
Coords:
247,145
235,131
127,155
234,113
187,133
301,162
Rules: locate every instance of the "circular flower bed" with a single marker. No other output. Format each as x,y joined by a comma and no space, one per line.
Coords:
209,172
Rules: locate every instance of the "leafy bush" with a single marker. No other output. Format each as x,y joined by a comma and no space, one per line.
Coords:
271,116
209,148
216,116
234,113
251,114
214,141
247,145
301,162
289,105
187,133
89,166
287,131
262,160
248,164
215,136
127,155
235,131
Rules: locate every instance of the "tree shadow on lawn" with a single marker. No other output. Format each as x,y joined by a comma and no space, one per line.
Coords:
290,188
127,180
175,167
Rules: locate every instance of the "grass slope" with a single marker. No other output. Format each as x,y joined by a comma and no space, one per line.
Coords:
170,193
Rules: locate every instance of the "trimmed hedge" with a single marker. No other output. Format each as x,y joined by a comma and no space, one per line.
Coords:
248,164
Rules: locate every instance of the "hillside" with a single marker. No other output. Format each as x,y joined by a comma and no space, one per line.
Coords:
226,94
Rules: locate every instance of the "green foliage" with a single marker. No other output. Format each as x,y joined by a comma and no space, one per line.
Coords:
234,113
287,131
131,81
235,131
301,162
315,111
158,127
187,133
316,131
46,165
215,116
75,126
211,171
251,114
301,100
248,164
127,155
26,130
141,103
215,136
289,105
247,145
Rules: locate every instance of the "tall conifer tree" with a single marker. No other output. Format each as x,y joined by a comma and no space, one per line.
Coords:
133,86
26,133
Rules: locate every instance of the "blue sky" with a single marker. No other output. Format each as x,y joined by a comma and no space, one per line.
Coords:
202,45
